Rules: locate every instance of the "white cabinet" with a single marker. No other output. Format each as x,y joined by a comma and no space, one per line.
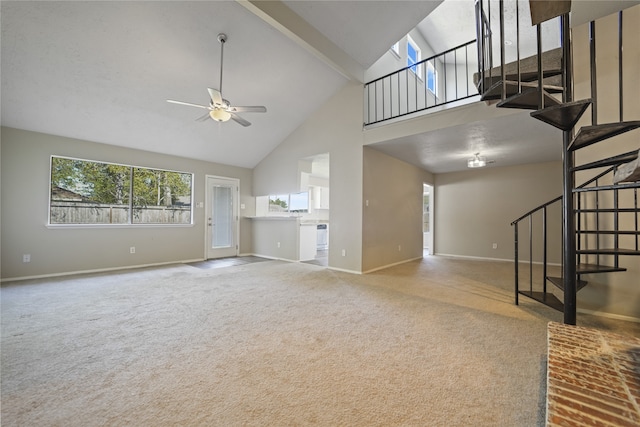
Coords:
320,197
308,239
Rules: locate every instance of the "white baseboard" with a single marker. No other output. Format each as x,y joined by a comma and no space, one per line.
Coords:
495,259
98,270
391,265
477,258
344,270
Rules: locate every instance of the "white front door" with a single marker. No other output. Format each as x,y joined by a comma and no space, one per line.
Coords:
222,217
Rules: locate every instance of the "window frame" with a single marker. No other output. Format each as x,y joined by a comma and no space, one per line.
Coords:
395,49
415,67
131,202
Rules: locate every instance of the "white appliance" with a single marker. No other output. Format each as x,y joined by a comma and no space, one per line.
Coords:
323,237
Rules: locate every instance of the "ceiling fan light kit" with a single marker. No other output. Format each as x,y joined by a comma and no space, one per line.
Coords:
220,115
477,161
220,109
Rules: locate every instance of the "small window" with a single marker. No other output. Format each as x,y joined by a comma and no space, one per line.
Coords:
432,78
413,56
395,49
96,193
279,203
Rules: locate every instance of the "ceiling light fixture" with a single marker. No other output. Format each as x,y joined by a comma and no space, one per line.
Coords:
477,161
219,115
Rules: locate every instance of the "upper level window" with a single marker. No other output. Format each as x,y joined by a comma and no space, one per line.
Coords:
396,49
90,192
432,78
413,56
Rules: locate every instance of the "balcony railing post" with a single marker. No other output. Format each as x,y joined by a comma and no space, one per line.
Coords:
544,251
515,231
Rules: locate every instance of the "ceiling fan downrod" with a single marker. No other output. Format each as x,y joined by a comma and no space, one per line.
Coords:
222,38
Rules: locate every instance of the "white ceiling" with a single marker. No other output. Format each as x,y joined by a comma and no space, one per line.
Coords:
505,141
102,71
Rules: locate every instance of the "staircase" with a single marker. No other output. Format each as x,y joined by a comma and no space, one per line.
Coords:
600,215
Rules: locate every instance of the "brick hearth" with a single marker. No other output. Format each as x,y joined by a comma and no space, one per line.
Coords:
593,377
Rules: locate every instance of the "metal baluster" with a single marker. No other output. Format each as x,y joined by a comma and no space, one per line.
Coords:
544,251
515,230
594,87
530,253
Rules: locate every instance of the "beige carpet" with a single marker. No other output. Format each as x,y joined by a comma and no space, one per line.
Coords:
431,343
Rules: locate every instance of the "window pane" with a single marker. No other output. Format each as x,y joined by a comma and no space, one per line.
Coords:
413,55
431,78
222,236
279,203
161,197
86,192
90,192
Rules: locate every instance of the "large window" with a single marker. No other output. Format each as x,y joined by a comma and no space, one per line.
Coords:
90,192
413,56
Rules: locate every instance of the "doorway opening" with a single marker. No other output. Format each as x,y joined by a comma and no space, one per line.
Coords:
314,179
427,219
222,217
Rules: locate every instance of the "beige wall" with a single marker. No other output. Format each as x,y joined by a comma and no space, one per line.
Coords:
336,128
475,208
614,292
392,210
56,250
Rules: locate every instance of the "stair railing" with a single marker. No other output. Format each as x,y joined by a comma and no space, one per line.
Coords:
545,245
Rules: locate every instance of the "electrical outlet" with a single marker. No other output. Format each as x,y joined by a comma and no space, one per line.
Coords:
278,244
495,246
26,258
344,252
132,250
399,248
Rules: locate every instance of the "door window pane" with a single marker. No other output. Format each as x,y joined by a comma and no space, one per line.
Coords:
222,217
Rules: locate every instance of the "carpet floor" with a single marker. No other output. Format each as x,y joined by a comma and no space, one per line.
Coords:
435,342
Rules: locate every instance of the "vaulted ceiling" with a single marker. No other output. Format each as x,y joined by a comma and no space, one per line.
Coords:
102,71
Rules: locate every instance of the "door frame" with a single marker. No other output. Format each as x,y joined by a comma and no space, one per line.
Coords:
207,211
430,239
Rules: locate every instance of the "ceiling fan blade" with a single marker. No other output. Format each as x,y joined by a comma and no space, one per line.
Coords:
203,118
216,97
248,109
240,120
188,104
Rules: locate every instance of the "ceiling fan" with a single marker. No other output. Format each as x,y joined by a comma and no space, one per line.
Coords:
219,108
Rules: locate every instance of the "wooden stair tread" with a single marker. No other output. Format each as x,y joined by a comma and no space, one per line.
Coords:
597,268
563,116
629,172
612,232
605,210
559,282
619,186
552,80
551,61
547,299
609,251
527,100
588,135
495,91
612,161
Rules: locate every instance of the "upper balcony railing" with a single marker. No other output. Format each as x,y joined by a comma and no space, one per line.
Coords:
438,80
